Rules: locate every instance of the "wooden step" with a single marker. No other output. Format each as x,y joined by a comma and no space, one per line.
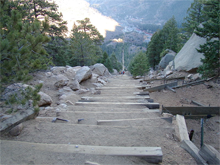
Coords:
106,116
98,108
81,134
157,121
115,98
119,104
150,154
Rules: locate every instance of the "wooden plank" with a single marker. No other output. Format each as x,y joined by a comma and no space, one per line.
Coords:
167,79
197,103
182,132
121,120
161,87
149,105
121,97
192,83
171,89
191,110
141,93
150,154
117,87
209,154
193,151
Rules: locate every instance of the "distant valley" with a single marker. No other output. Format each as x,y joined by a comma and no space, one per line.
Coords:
127,25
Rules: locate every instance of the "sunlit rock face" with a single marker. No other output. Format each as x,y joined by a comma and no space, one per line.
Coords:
188,58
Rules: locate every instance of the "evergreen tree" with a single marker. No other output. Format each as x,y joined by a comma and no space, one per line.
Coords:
169,35
106,61
139,65
86,26
115,64
21,51
210,31
21,45
85,42
154,49
194,18
41,9
167,38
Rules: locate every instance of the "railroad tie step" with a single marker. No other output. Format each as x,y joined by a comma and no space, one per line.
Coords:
148,105
150,154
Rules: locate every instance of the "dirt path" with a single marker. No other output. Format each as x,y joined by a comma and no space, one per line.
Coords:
136,126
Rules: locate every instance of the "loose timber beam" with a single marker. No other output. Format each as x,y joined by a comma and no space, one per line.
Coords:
141,93
210,154
166,79
197,103
149,105
193,151
182,134
192,83
150,154
122,97
173,84
137,119
181,129
191,110
171,89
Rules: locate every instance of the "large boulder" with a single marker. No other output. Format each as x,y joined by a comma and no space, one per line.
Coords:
74,85
71,71
61,81
189,59
45,100
100,69
83,74
58,70
166,59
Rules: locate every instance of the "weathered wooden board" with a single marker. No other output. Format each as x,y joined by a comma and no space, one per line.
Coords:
197,103
191,110
137,119
181,131
171,89
141,93
166,79
161,87
150,154
192,83
210,154
149,105
193,151
121,98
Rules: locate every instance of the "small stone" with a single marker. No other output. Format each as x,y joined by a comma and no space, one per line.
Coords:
16,130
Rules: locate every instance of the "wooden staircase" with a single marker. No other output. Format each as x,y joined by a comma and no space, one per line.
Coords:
116,127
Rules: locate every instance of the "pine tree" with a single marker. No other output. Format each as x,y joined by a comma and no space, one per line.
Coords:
166,38
194,18
57,29
85,42
169,35
21,45
155,47
21,51
115,64
106,61
139,65
210,31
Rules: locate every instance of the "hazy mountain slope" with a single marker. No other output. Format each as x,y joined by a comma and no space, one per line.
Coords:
73,10
152,11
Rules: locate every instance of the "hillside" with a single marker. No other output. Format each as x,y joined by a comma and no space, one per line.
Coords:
144,11
132,22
